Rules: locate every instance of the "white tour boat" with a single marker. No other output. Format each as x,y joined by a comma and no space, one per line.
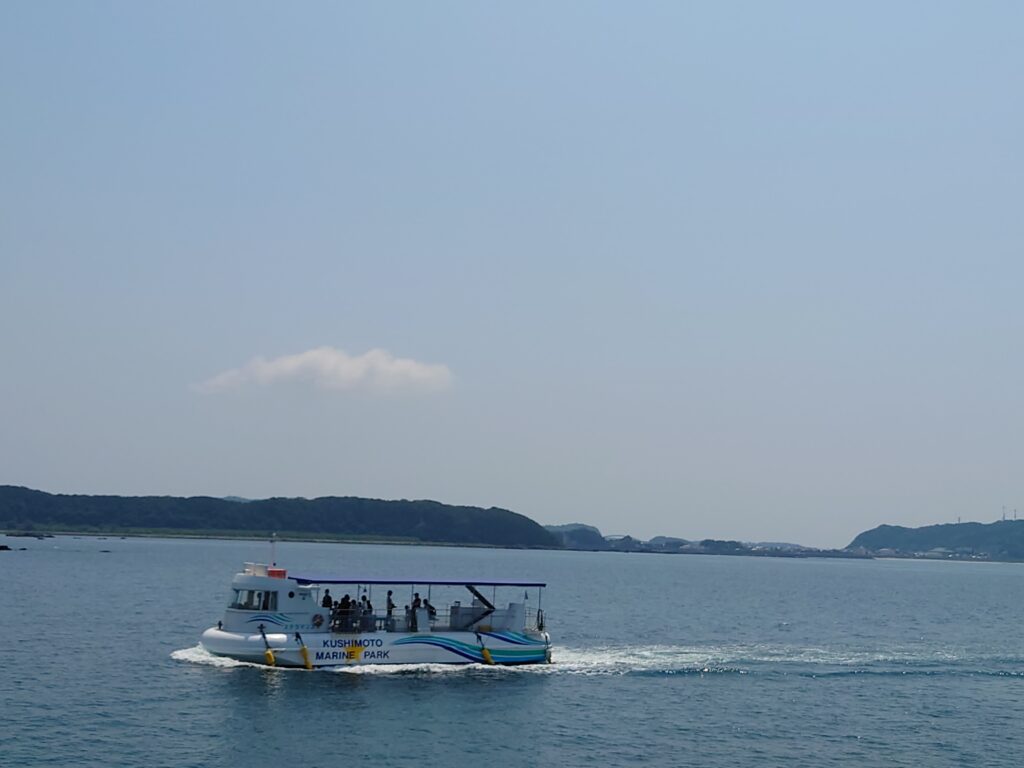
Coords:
308,621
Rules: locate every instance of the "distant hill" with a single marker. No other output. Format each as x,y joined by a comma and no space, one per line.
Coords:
587,537
24,509
774,545
1002,540
579,536
667,543
626,544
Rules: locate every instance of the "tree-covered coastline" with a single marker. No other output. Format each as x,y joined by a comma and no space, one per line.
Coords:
355,519
331,517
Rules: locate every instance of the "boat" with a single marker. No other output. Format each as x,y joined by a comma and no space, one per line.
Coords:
278,619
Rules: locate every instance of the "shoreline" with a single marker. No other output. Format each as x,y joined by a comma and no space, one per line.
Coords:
310,539
227,536
298,538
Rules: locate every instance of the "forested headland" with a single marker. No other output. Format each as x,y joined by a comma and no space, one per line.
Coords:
330,517
1001,540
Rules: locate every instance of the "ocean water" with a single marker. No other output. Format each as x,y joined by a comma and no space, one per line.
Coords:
665,660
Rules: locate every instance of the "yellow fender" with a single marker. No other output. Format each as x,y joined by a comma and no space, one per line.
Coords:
268,655
305,657
487,656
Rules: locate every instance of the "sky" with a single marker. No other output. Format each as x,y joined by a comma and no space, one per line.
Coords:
734,270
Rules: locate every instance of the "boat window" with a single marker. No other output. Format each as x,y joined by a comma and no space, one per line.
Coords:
269,601
252,600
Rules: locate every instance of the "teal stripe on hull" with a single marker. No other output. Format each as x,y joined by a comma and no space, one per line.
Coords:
473,652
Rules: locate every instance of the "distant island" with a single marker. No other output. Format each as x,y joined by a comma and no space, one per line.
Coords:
23,510
579,536
1002,540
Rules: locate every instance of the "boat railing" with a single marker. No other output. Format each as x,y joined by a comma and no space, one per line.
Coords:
346,621
441,620
398,621
534,619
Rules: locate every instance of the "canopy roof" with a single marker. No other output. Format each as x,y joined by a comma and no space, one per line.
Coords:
315,579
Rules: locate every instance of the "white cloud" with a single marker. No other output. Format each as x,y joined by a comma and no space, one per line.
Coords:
330,368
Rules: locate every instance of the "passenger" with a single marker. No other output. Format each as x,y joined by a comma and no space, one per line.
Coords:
410,619
326,602
416,602
345,613
431,610
391,604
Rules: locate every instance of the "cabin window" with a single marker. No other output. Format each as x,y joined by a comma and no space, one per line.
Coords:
254,600
245,599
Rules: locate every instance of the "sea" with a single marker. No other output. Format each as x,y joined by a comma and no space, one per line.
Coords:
671,660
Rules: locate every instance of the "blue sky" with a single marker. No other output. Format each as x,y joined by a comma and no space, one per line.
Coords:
745,270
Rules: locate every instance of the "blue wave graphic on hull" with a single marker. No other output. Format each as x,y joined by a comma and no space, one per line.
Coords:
460,649
279,619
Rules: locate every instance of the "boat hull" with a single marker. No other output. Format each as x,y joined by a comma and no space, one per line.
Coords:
329,649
